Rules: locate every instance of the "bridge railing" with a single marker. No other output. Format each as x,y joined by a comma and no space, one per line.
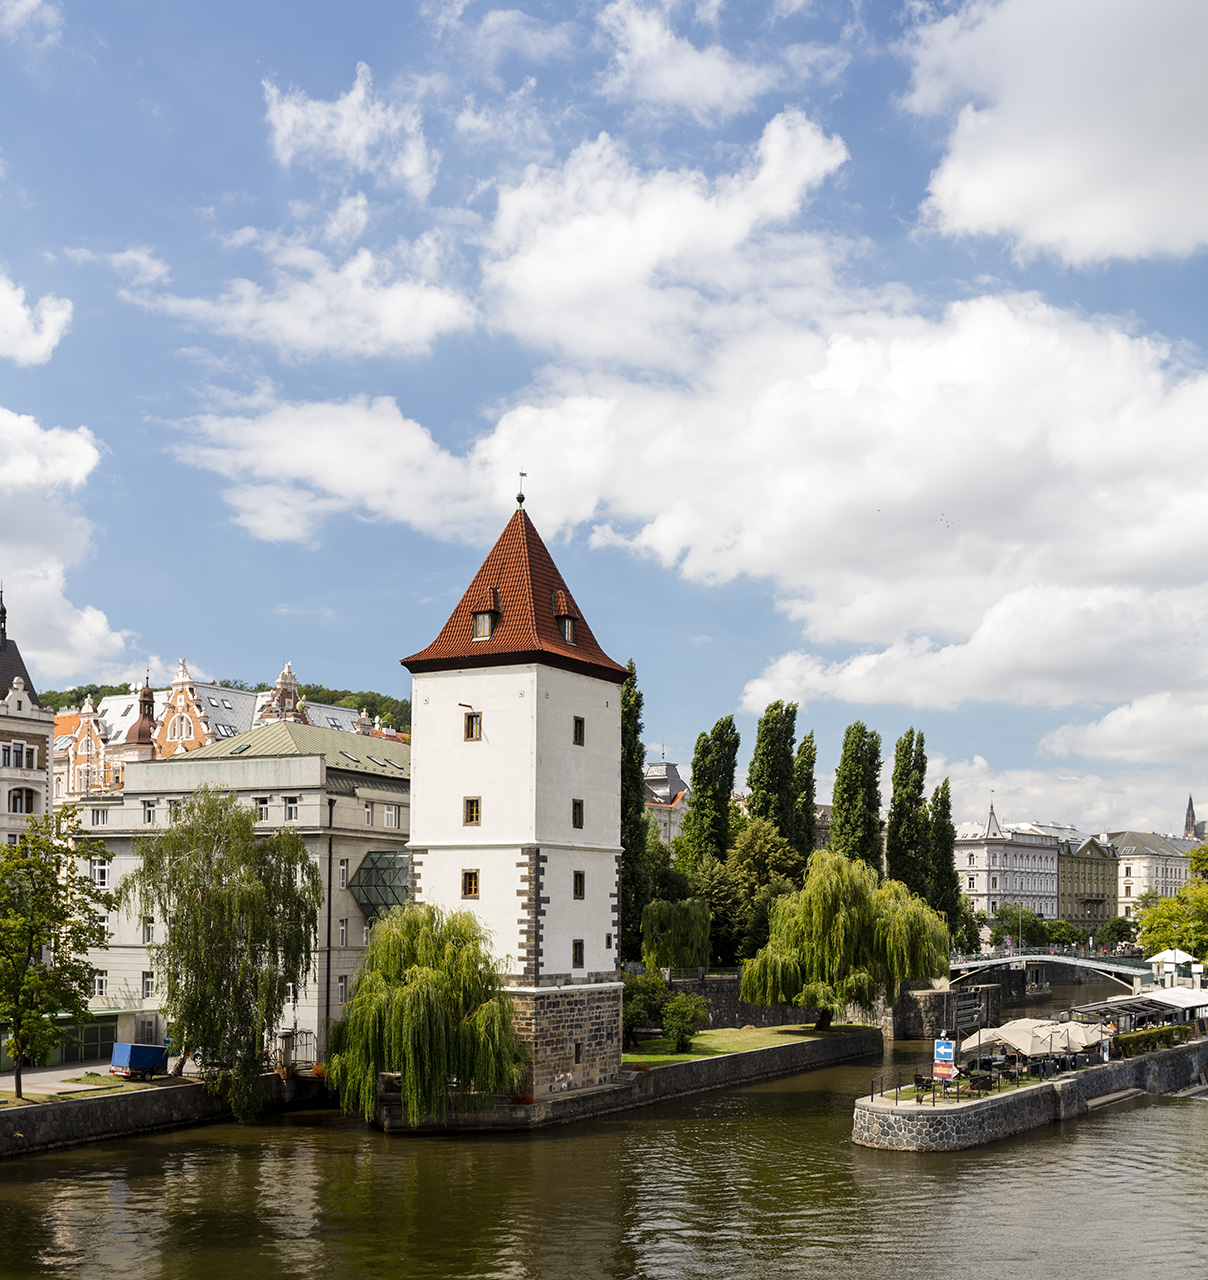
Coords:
1053,951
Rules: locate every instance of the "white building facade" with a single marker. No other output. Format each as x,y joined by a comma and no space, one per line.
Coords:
516,801
1148,861
26,737
1016,864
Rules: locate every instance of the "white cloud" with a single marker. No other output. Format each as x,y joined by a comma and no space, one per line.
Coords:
1077,128
367,305
506,31
654,66
32,19
349,220
603,261
360,132
1158,728
28,335
137,264
41,535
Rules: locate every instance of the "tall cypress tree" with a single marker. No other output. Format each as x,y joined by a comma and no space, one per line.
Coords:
804,795
707,827
771,773
856,801
908,831
944,890
635,876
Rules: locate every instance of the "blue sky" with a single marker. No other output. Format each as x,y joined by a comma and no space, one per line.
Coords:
855,355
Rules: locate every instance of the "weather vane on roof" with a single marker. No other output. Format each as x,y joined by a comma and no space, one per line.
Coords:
520,495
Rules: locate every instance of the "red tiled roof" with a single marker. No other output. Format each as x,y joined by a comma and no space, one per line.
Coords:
520,579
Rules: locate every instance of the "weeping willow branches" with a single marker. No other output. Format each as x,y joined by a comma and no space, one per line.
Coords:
428,1005
676,934
843,939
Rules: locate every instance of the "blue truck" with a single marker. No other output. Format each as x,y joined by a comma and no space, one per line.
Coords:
138,1061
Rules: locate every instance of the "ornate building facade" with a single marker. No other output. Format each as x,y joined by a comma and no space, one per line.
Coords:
25,741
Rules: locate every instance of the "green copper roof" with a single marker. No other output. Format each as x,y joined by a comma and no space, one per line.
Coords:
351,752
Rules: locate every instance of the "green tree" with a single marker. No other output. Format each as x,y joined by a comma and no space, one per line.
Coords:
1010,918
683,1017
1179,922
760,855
1199,862
427,1003
908,829
770,776
51,914
707,825
395,712
1063,934
713,883
1117,930
844,939
664,879
805,818
757,915
675,935
944,882
643,997
57,699
966,935
635,877
856,801
238,922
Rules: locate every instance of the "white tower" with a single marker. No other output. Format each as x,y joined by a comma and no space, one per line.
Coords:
516,800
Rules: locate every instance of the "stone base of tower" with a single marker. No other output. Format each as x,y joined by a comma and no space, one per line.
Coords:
573,1034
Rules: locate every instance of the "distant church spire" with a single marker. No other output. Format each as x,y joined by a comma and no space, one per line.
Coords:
3,622
1189,821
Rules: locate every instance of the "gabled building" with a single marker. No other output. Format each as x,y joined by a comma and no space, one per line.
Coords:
347,796
25,741
667,798
1148,861
1013,863
516,801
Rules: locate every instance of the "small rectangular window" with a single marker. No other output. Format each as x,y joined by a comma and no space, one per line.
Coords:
579,882
98,869
608,942
341,989
290,997
578,1053
261,803
473,726
391,815
469,884
970,882
291,808
368,813
567,627
576,954
576,813
472,811
148,811
343,873
30,755
148,984
100,817
364,935
148,930
343,932
579,734
100,982
484,624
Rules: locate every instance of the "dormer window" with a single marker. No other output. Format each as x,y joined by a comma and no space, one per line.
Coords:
567,627
484,624
564,611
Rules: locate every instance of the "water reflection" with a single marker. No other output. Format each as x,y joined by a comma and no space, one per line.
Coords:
760,1182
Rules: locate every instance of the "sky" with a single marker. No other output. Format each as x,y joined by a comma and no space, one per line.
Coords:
855,355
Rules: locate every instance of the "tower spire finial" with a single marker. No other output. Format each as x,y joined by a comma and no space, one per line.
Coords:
520,495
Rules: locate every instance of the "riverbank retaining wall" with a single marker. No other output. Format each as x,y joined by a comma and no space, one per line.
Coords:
168,1104
720,993
641,1088
952,1127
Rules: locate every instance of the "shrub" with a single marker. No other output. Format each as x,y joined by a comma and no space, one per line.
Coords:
683,1017
642,1002
1138,1042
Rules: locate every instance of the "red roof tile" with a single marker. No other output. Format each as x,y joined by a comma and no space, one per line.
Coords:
521,581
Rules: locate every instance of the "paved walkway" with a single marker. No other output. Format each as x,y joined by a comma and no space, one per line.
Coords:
45,1080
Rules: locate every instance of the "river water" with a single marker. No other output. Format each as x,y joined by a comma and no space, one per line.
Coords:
754,1183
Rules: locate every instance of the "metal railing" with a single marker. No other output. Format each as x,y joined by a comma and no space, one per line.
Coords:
974,1085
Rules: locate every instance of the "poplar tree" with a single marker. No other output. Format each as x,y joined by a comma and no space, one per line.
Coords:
944,889
770,776
636,889
804,795
707,832
908,830
238,918
856,801
51,914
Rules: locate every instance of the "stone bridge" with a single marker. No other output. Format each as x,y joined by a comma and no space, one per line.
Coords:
1122,969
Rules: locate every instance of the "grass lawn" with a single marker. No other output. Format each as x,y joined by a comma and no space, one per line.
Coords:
710,1044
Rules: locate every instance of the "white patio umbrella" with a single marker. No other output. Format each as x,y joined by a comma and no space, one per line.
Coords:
1171,957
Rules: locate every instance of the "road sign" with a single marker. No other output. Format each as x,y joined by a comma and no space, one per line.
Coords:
945,1050
943,1070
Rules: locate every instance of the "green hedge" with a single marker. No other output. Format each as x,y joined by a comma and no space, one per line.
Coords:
1138,1042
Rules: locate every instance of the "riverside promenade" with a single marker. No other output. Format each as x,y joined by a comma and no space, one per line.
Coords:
954,1126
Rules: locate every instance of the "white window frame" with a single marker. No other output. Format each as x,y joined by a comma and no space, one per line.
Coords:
343,931
100,983
343,873
342,989
291,808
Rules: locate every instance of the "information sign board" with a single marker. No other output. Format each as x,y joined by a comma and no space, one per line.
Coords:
945,1050
943,1070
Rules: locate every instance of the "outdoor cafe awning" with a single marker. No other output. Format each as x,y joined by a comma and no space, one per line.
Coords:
1137,1007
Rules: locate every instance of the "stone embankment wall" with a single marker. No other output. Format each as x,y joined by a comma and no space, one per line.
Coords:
1013,983
925,1013
573,1034
952,1127
720,993
168,1105
641,1088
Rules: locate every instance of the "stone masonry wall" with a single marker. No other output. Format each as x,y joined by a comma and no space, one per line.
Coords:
573,1034
720,993
909,1127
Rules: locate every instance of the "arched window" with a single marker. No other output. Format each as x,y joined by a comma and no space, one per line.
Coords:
180,728
21,800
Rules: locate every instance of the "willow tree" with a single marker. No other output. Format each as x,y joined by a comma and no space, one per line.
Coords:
844,939
51,914
238,918
675,935
427,1004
